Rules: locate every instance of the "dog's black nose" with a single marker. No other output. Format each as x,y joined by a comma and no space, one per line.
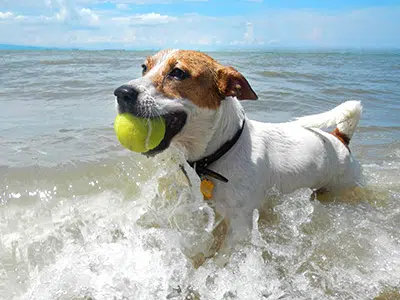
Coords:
126,94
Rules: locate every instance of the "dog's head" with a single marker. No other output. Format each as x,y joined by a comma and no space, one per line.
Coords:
185,87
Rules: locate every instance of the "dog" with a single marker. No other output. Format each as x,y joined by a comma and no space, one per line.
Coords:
240,161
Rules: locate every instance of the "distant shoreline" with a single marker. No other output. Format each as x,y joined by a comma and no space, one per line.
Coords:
10,47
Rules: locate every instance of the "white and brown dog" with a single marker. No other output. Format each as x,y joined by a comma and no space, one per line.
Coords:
244,159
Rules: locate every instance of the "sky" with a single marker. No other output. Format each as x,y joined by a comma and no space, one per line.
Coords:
201,24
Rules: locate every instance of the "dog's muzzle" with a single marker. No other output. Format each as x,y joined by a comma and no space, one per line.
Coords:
127,99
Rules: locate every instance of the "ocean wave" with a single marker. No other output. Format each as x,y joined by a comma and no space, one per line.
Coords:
94,247
60,62
349,91
288,74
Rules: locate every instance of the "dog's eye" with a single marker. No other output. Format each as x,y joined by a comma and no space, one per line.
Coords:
144,69
178,74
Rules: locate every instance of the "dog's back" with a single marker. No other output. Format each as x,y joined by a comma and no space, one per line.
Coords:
288,156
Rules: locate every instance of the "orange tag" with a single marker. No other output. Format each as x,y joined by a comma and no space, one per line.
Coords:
206,188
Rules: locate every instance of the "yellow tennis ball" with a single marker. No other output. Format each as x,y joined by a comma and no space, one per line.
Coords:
139,134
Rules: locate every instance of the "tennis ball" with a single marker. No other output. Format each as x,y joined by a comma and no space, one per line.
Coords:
139,134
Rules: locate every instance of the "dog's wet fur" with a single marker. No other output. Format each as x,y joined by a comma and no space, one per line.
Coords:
200,99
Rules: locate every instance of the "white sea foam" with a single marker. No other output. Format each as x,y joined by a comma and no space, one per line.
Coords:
107,246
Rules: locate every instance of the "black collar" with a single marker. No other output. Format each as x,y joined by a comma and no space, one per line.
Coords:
200,166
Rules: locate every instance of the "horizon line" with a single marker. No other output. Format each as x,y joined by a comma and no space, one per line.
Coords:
204,48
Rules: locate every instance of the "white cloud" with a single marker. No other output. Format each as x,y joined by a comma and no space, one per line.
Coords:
62,15
273,42
87,15
21,17
152,18
76,23
11,16
145,19
70,15
6,15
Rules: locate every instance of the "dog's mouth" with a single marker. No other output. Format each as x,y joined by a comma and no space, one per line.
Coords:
174,122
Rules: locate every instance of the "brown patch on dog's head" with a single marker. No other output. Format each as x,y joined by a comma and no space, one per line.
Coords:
205,82
151,61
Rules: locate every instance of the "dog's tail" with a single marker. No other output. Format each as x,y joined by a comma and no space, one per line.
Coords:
345,117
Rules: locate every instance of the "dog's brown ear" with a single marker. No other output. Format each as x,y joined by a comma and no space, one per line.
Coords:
232,83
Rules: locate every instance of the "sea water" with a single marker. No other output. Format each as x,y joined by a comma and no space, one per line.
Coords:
83,218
